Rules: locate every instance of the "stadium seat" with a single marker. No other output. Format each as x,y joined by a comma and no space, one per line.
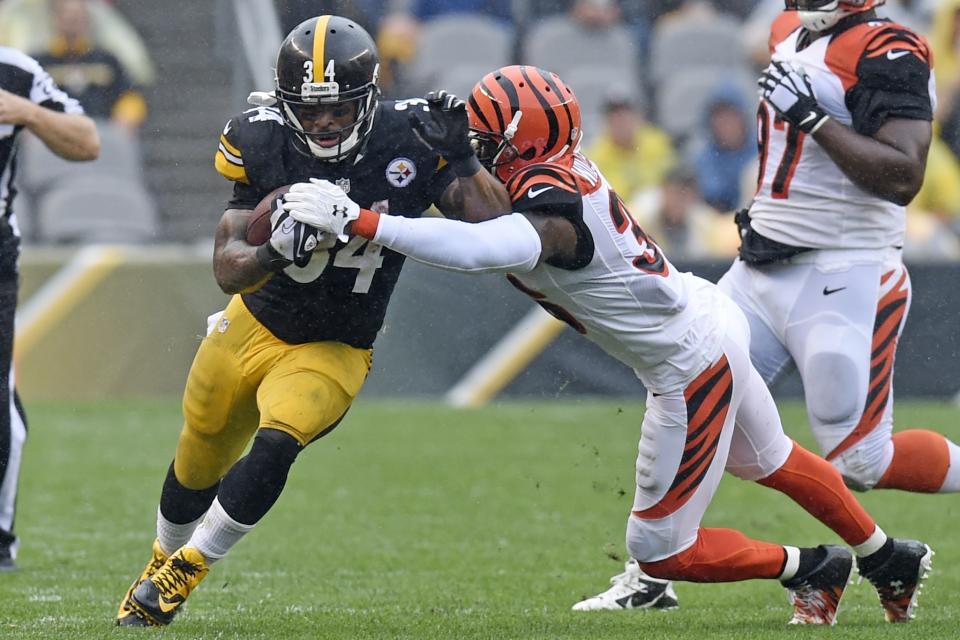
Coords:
592,86
461,79
681,44
680,98
589,61
449,48
40,169
559,44
96,209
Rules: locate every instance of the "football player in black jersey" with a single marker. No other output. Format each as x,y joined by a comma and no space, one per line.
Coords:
285,359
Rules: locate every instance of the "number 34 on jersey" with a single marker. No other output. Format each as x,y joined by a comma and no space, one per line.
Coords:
359,254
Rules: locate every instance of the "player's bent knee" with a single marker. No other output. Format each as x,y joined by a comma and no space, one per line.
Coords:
832,387
275,448
861,468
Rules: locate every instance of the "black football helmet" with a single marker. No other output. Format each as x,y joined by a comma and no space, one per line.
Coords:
328,63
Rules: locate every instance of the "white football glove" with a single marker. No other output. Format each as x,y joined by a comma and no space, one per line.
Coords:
291,240
321,204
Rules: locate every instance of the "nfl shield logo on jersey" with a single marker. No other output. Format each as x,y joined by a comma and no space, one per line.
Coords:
401,172
343,183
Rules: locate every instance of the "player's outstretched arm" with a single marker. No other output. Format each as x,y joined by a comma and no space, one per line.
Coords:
506,243
889,165
514,242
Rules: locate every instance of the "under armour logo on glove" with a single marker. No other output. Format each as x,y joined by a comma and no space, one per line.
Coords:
322,205
788,90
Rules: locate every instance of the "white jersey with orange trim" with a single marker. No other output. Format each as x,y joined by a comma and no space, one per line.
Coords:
862,75
620,290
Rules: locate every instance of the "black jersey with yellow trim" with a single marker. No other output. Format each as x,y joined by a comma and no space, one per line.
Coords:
554,190
342,294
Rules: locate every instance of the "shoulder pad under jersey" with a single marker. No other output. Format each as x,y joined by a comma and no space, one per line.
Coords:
246,140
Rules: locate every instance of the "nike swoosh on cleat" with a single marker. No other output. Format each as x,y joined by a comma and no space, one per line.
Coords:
827,291
533,193
168,605
893,55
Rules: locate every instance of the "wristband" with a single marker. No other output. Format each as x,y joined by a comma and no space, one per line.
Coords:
366,225
270,259
819,123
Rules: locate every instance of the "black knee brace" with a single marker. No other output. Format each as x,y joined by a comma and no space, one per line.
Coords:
254,483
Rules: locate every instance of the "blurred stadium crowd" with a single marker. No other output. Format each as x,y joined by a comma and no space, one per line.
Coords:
667,88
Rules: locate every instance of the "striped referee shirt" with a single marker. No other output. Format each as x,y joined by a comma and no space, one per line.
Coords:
23,76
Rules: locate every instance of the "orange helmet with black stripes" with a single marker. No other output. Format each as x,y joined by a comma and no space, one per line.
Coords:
521,115
820,15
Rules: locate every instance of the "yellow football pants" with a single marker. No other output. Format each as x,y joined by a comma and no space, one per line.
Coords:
243,379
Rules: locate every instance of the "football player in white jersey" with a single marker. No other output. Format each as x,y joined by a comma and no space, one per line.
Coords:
844,124
575,249
844,128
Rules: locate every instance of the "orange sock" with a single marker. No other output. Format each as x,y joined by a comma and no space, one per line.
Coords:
817,486
721,555
920,462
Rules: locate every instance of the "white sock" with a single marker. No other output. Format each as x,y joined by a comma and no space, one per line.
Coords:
172,536
217,533
872,544
792,564
951,484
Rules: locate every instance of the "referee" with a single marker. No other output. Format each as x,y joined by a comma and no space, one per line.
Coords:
29,99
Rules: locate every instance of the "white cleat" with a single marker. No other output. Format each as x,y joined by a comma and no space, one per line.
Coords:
632,589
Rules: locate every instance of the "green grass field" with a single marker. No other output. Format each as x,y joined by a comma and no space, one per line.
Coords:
416,521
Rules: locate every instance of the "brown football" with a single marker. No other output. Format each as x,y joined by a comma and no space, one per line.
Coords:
259,227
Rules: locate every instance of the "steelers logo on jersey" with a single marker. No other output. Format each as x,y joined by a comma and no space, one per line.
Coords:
401,172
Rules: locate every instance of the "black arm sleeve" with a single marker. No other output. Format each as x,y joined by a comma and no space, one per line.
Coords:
893,81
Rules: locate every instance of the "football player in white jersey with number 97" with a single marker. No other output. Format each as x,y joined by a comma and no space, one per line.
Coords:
844,125
844,129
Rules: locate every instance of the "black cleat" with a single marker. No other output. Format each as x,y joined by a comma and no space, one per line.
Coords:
898,580
816,595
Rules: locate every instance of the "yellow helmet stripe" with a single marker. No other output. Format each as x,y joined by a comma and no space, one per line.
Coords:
319,40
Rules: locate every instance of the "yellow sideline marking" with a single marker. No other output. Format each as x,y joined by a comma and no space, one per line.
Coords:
319,39
63,292
506,359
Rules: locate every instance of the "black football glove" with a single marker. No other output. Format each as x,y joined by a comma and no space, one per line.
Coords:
788,90
444,127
